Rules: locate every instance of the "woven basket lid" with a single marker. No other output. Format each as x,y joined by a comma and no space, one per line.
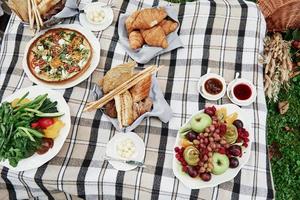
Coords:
281,14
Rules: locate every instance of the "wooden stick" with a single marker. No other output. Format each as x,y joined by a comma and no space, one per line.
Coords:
122,88
35,15
38,14
29,14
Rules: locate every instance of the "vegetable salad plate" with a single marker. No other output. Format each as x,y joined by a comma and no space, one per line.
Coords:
35,122
212,146
61,57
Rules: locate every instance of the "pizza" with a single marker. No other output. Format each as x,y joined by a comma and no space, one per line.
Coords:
59,55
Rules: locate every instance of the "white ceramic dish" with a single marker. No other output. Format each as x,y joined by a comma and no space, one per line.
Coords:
235,100
37,160
205,94
94,62
138,155
109,17
197,183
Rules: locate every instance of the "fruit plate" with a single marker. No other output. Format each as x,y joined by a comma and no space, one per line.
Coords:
197,183
37,160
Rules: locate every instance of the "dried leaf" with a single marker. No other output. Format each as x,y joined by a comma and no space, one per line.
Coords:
283,107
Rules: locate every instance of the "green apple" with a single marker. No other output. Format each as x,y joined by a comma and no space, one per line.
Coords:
200,121
191,155
220,163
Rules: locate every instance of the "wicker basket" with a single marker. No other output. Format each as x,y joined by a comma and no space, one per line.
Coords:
281,14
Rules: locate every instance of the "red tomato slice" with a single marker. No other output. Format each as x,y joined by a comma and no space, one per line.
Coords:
34,124
45,122
47,142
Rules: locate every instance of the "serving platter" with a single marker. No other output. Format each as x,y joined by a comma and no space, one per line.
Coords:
37,160
93,65
197,183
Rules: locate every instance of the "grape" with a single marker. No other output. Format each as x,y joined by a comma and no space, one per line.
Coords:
235,150
211,111
196,142
192,172
191,136
205,158
206,176
212,128
233,162
176,149
201,170
238,123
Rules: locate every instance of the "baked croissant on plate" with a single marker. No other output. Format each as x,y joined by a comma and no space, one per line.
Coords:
168,25
129,21
149,17
136,40
155,37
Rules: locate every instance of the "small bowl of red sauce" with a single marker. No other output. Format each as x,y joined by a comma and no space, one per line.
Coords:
212,86
241,92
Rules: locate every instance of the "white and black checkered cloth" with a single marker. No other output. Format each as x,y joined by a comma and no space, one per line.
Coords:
224,35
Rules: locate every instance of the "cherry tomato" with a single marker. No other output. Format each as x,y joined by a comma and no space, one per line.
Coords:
34,124
47,143
42,150
45,122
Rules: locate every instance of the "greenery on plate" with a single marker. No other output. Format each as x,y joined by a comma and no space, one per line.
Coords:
18,140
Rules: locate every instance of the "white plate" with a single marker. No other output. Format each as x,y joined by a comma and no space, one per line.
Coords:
37,160
138,155
94,62
241,103
197,183
97,27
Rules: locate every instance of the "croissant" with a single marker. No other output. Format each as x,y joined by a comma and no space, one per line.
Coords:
168,26
149,17
129,21
136,40
141,90
155,37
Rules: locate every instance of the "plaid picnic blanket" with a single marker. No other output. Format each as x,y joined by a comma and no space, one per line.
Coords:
224,35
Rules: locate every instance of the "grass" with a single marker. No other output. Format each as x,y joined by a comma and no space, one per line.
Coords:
285,145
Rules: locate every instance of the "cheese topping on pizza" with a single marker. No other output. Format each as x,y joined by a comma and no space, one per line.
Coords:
59,54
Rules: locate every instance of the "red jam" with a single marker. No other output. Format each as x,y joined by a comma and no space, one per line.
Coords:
213,86
242,91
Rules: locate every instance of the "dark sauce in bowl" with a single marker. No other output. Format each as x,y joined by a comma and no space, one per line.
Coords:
242,91
213,86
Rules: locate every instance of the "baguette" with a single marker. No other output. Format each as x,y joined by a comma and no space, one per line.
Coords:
46,5
124,108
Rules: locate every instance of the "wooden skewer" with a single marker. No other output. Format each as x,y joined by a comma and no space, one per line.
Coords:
35,15
38,14
122,88
30,14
